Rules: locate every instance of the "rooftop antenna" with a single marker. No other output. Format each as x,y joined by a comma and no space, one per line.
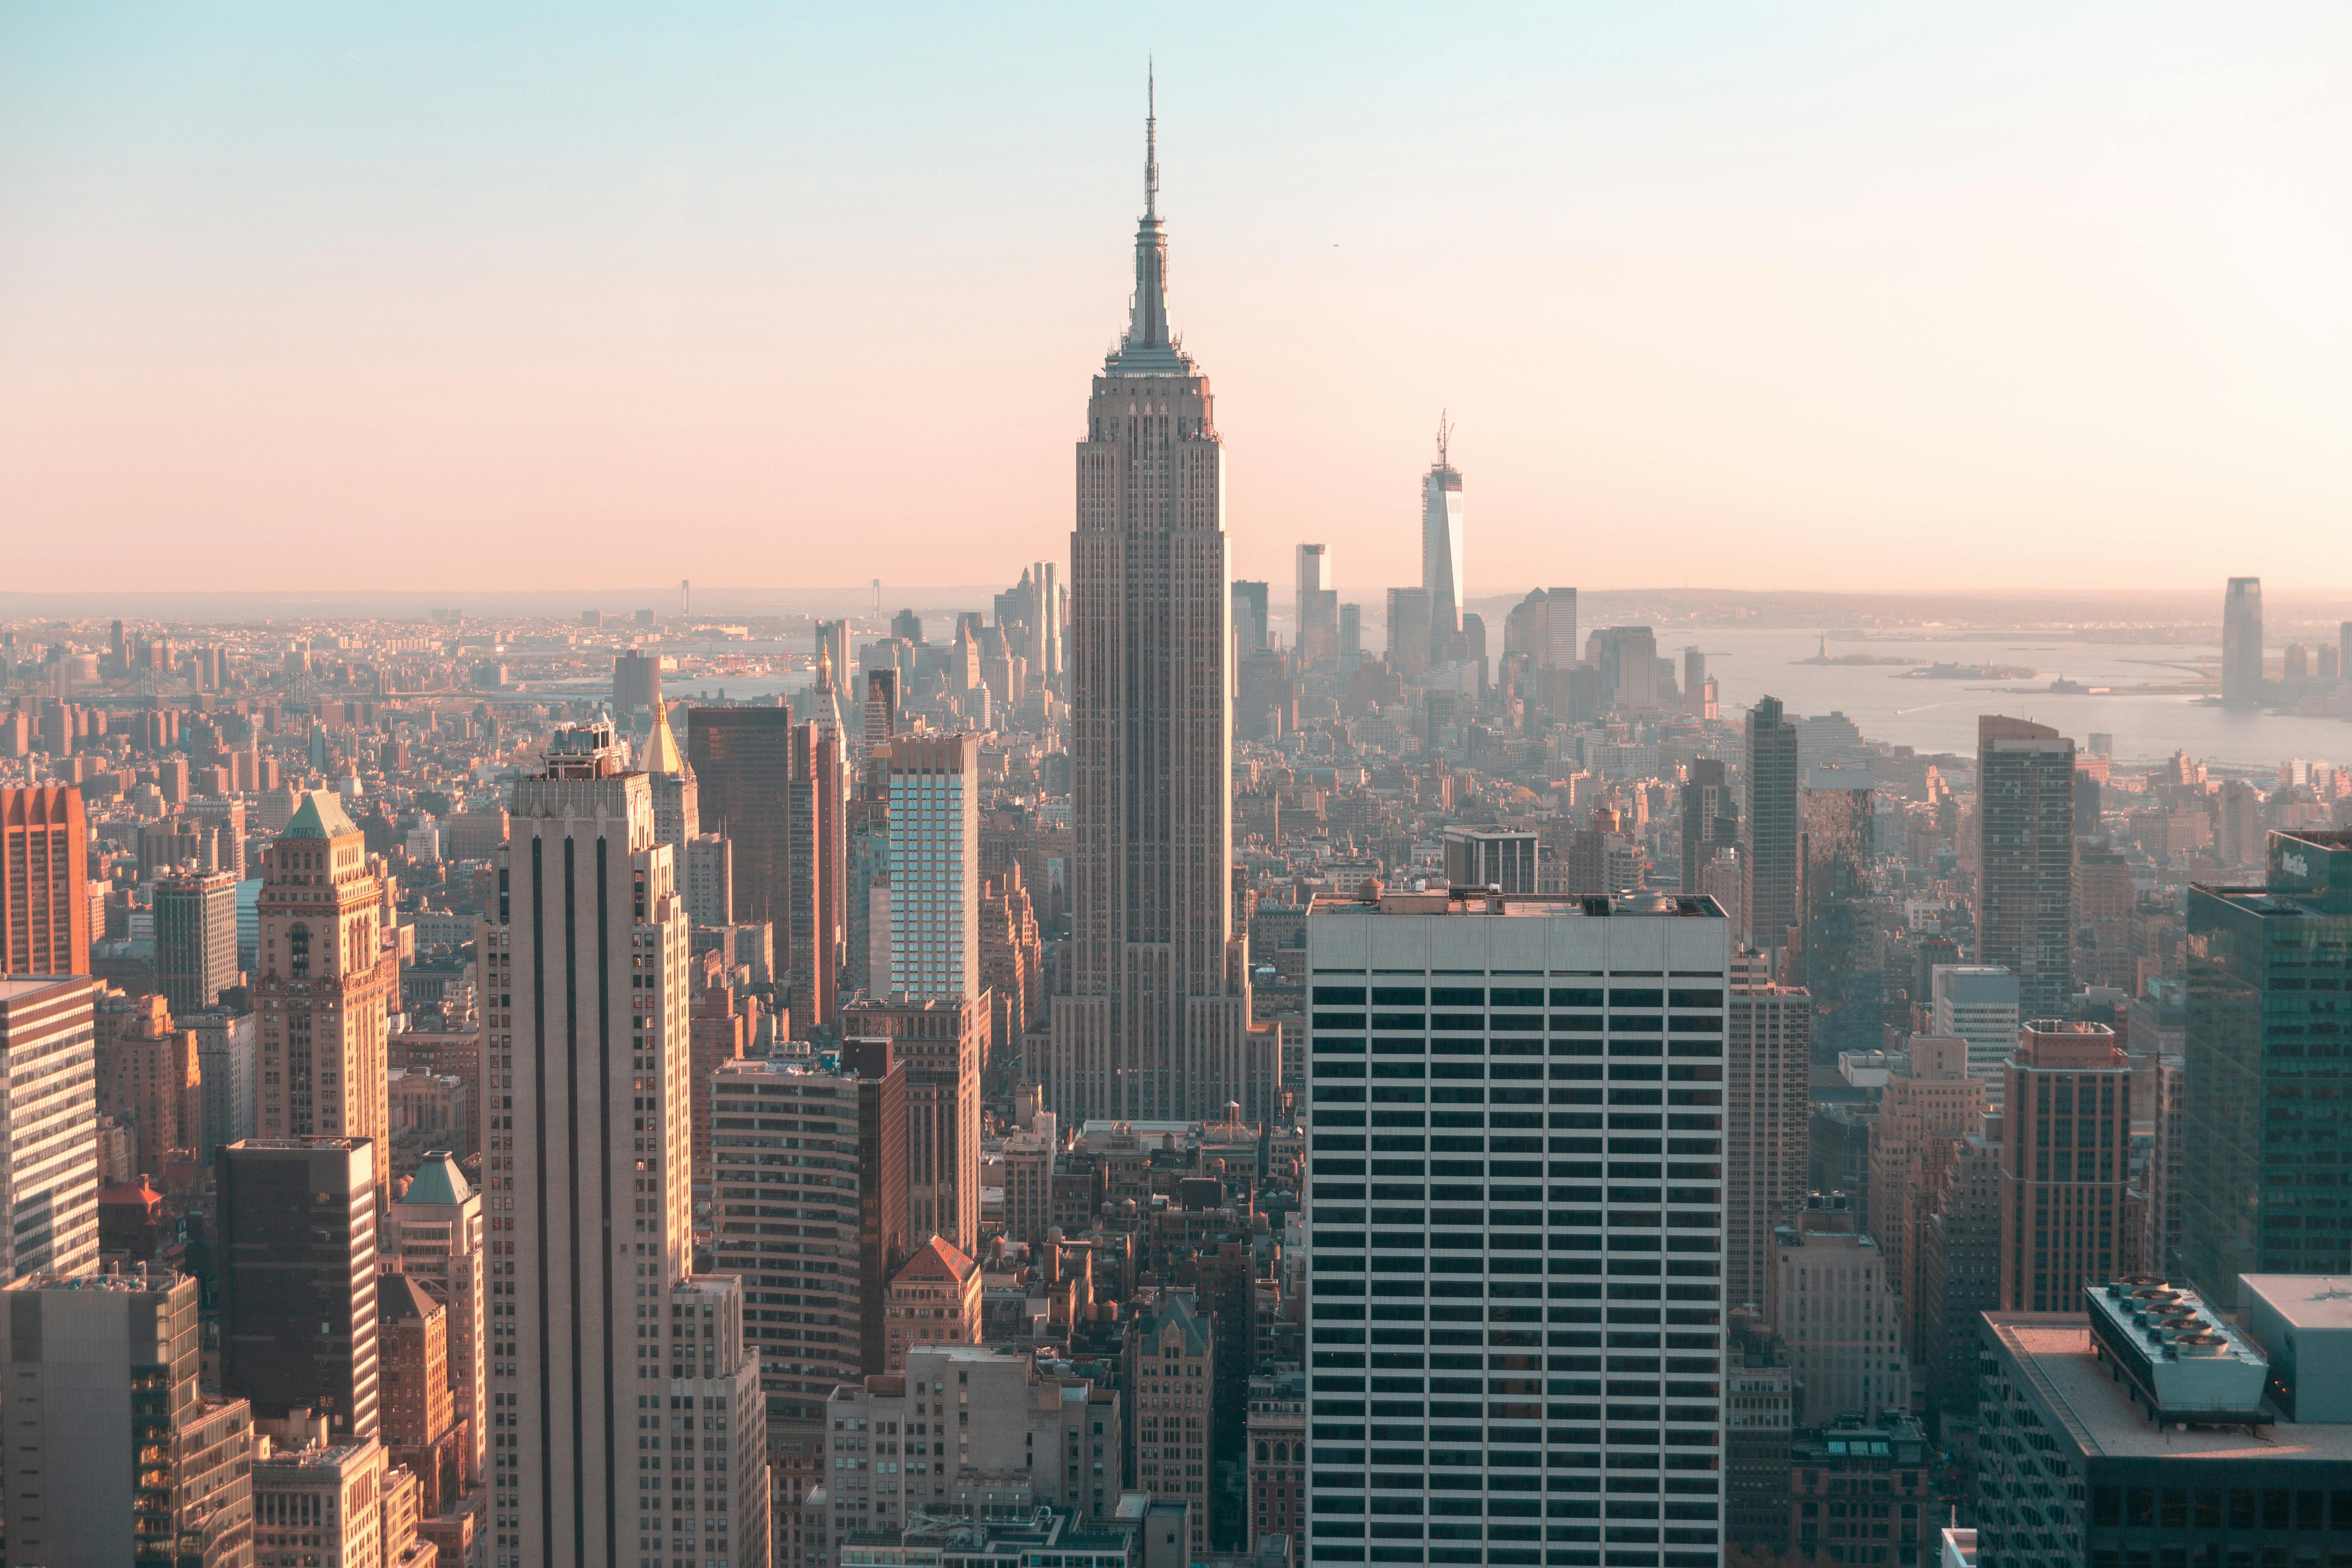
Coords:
1444,436
1151,138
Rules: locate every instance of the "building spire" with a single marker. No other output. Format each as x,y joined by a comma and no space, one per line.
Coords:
1149,348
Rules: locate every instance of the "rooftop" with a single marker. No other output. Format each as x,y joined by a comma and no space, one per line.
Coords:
2305,1301
2097,1412
321,816
438,1182
158,1279
937,1259
13,986
1480,901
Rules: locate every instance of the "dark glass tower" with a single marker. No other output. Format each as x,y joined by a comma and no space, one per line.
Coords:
1772,826
2270,1022
2025,860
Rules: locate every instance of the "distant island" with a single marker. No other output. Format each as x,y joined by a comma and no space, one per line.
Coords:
1971,672
1857,659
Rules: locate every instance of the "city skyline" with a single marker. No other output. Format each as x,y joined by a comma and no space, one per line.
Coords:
1144,1058
515,324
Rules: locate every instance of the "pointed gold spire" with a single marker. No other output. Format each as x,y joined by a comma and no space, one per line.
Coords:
662,753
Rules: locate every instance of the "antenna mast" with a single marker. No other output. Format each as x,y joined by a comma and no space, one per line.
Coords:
1444,436
1150,139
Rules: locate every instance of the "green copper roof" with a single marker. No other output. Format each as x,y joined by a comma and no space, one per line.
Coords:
321,816
438,1180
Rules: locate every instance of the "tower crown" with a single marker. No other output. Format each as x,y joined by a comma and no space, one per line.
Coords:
1149,348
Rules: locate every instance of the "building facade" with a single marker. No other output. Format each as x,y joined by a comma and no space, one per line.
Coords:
195,938
2263,1047
2025,860
813,1253
941,1041
2065,1163
1831,1303
49,1109
934,825
44,881
1773,850
1767,1064
298,1279
1472,1060
115,1455
1979,1004
326,985
606,1338
965,1433
435,1232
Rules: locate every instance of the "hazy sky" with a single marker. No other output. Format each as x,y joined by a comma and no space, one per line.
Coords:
1824,295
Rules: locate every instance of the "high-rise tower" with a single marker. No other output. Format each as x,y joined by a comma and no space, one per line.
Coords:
1441,545
1156,1019
591,1239
1772,825
44,881
2025,866
2242,643
325,982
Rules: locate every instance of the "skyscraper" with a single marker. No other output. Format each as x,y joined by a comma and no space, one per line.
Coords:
1766,1059
44,881
742,763
1628,668
1315,605
2025,866
1440,546
814,825
1841,941
114,1454
1710,820
1155,1022
591,1237
326,983
2066,1160
436,1232
2265,1022
195,938
1409,631
48,1105
833,646
881,705
1249,616
1467,1000
2242,643
1977,1003
637,682
852,1117
1773,829
298,1266
940,1041
934,826
678,793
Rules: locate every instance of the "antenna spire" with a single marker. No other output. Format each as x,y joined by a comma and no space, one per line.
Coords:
1150,139
1444,436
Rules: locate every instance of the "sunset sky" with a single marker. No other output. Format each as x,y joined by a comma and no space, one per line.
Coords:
433,296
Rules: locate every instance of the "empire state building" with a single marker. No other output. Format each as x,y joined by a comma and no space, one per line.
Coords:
1157,1019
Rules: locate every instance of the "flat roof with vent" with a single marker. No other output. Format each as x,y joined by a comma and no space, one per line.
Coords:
2185,1362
